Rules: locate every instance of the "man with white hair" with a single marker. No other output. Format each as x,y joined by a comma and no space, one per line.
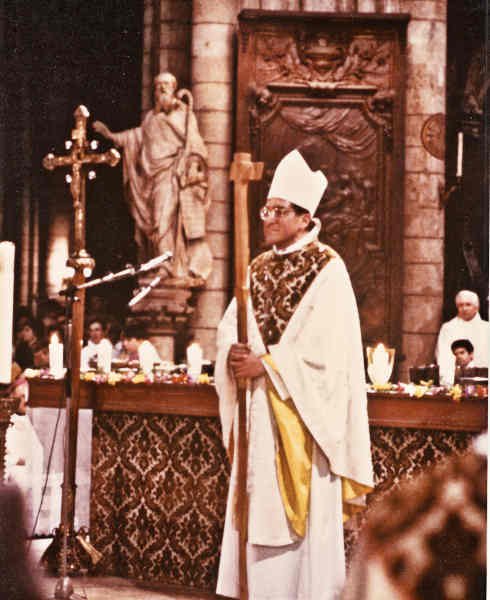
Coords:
467,324
309,457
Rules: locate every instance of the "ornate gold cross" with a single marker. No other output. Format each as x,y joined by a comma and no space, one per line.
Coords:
79,159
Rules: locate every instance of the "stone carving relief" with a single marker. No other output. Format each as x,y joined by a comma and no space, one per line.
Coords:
351,211
333,89
352,223
322,60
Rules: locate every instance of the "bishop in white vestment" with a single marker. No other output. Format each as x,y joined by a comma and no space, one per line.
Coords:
309,456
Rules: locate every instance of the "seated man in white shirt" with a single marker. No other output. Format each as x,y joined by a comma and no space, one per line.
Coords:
98,348
463,355
139,348
467,325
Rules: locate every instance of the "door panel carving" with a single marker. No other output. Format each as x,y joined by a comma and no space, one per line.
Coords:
334,88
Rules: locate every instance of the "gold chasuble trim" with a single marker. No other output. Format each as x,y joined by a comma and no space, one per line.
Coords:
353,497
293,460
294,463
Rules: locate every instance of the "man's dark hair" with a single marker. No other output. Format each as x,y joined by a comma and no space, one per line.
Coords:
466,344
135,331
299,210
98,320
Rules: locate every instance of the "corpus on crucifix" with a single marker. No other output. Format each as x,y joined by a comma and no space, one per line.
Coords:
79,161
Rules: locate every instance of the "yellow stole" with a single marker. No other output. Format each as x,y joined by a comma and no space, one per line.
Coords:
294,462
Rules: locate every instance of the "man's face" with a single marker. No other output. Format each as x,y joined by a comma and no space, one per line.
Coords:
27,334
130,345
463,357
164,92
282,227
95,332
466,310
41,358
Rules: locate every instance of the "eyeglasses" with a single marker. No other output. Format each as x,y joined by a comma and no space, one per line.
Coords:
274,213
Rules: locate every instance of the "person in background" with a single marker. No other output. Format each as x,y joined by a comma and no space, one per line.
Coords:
463,354
137,347
468,325
22,316
51,314
16,572
97,345
426,539
26,338
41,354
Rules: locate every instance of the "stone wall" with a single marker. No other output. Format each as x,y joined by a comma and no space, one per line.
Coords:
211,60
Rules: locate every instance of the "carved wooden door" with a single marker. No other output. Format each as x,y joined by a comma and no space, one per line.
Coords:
333,86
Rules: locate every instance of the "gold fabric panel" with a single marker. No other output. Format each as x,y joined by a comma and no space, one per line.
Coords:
294,463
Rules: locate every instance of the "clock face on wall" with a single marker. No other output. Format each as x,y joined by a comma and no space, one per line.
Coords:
433,135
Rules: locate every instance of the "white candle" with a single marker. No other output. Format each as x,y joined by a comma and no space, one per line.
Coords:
7,256
459,160
381,365
104,358
194,360
56,357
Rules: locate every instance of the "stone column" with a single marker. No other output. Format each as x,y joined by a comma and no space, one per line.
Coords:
423,217
213,29
166,42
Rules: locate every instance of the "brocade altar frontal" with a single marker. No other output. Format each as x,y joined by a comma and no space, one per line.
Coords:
159,475
159,486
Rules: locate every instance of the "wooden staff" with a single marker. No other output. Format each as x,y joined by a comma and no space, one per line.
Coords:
242,171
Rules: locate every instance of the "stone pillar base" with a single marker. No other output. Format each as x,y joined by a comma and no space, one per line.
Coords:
165,312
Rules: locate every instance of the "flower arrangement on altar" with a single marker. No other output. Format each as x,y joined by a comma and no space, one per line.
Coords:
129,376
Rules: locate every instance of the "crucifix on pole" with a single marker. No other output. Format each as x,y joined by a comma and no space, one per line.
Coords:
79,160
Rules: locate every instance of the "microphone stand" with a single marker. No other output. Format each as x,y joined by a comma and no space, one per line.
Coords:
64,588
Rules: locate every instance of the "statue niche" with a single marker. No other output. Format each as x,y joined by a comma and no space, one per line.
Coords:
333,88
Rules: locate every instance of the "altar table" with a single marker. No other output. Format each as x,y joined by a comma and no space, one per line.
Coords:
159,474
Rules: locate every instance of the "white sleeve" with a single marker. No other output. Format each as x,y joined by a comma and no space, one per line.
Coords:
84,358
277,381
445,357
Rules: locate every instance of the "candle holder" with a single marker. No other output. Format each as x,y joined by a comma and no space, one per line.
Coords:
380,364
445,193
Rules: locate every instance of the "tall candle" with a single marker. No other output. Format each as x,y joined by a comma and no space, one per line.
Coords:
459,160
7,256
55,357
194,360
104,358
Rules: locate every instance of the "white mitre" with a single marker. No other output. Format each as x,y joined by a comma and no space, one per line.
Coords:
295,182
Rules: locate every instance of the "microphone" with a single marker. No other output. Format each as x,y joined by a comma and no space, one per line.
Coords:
155,262
146,290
